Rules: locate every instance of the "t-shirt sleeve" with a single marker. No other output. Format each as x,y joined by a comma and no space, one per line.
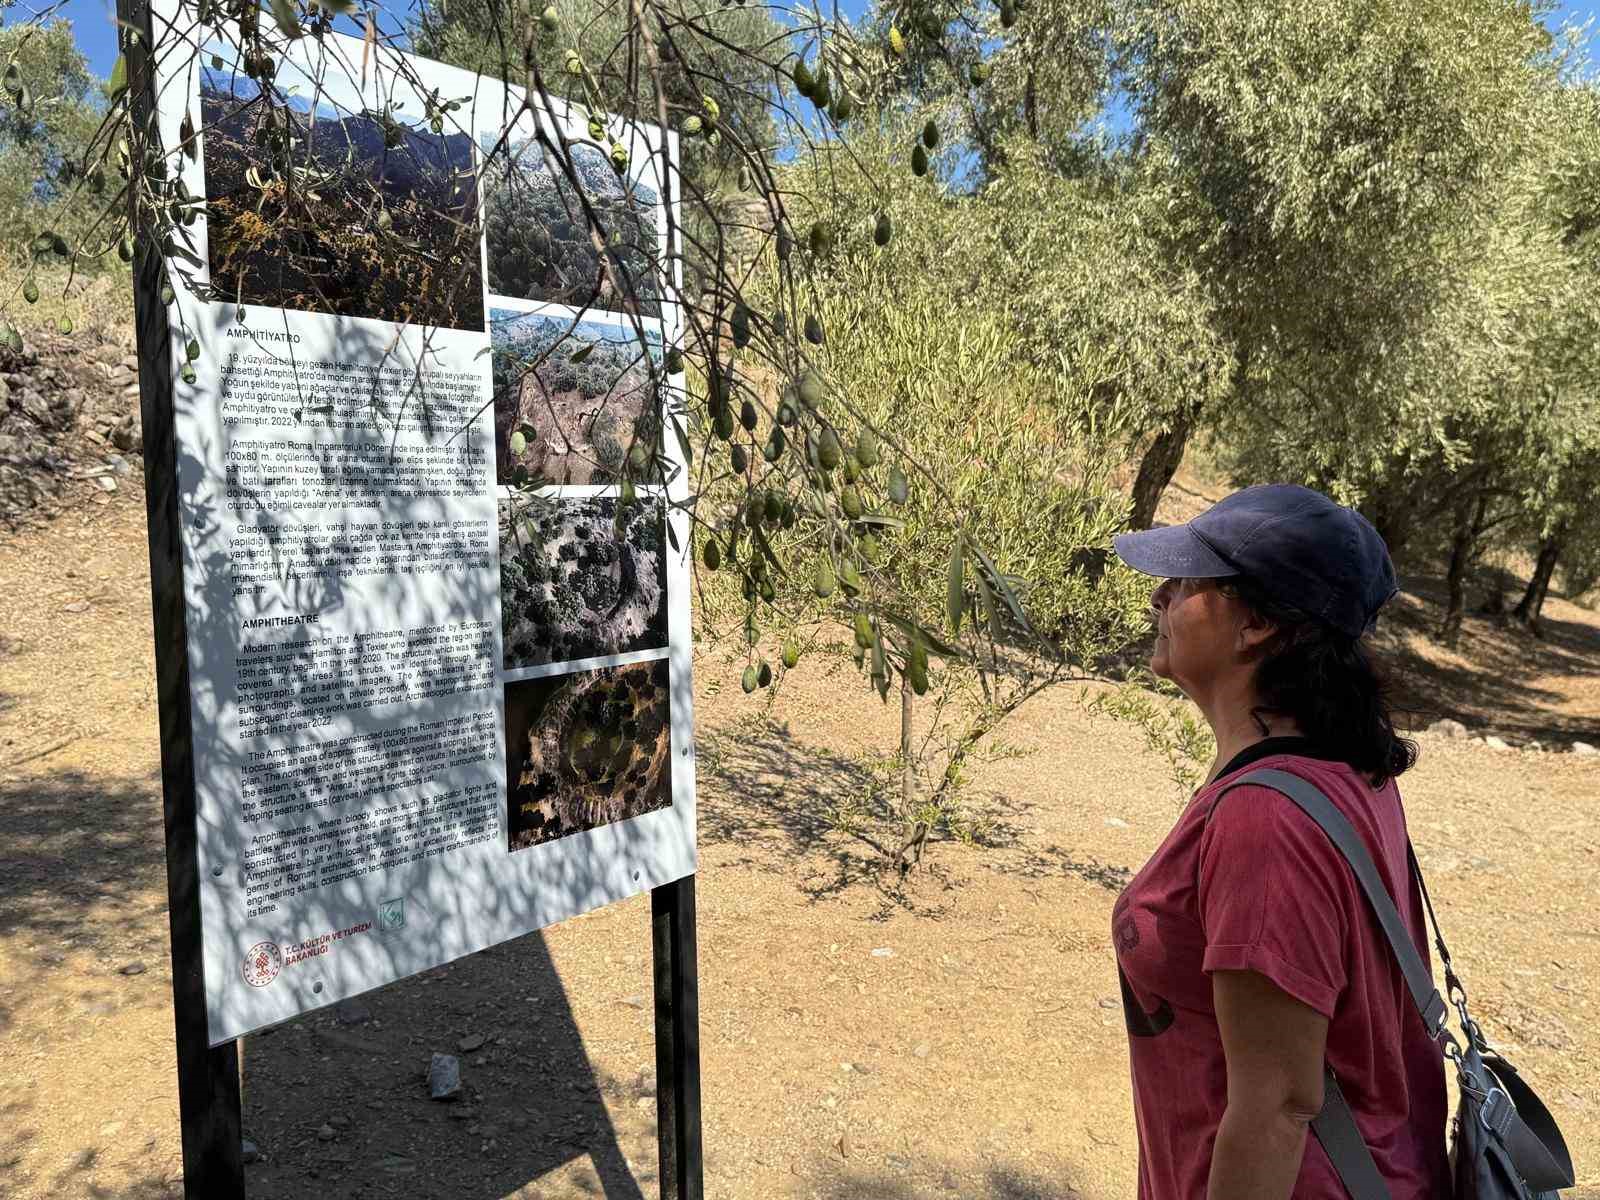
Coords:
1272,897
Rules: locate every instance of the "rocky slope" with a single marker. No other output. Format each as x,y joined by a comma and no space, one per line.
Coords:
69,421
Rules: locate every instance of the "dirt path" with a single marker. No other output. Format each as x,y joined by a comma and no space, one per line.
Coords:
966,1043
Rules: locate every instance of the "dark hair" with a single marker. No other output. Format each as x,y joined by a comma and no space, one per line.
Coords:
1324,679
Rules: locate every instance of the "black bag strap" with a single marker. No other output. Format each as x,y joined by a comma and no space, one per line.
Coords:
1335,1127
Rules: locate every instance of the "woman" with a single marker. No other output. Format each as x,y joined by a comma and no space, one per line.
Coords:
1247,952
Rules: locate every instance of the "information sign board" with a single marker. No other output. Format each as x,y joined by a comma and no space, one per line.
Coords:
439,663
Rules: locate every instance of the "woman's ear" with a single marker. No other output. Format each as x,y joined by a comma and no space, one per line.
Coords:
1252,631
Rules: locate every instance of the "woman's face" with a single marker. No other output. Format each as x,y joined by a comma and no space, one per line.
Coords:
1198,630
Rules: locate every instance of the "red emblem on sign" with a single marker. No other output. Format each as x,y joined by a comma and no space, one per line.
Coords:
261,965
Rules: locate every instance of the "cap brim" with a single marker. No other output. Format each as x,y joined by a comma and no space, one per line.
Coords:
1171,552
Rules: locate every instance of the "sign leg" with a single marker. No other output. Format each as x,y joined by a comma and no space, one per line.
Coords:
208,1079
677,988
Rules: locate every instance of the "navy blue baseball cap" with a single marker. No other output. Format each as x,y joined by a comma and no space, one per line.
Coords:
1299,546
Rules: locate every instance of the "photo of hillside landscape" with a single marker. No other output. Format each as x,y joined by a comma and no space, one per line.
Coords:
586,749
577,420
538,239
571,587
366,214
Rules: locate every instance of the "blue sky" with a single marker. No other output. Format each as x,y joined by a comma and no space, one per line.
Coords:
92,21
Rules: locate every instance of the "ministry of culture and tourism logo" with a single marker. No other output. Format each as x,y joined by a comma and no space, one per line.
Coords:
391,914
262,963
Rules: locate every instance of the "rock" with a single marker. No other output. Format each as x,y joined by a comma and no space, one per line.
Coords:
126,436
325,1134
444,1077
922,1050
1495,743
471,1042
351,1012
1116,822
78,606
882,952
133,968
1448,728
339,1122
36,407
249,1151
1107,1002
106,483
1535,744
1584,749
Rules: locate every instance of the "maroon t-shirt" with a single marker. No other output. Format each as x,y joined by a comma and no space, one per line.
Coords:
1252,883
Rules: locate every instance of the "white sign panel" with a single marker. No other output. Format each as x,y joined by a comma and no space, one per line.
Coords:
440,673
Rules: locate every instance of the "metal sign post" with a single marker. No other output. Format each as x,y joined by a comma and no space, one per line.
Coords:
208,1078
677,990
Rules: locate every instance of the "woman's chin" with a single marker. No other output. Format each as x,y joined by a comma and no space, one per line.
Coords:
1159,663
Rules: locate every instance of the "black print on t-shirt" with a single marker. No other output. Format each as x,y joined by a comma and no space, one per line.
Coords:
1125,933
1124,930
1139,1022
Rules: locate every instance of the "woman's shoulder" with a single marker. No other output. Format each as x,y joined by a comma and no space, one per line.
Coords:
1343,784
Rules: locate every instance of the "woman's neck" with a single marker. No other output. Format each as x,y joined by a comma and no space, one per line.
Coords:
1242,731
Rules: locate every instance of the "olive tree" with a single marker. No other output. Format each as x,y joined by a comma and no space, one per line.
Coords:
1330,149
741,94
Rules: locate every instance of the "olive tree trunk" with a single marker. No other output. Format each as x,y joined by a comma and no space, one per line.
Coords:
1531,606
1467,527
908,765
1156,469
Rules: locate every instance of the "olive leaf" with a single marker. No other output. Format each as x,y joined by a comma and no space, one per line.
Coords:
955,588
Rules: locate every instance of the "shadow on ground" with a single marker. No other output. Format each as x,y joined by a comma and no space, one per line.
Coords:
1490,682
338,1101
786,801
78,864
999,1182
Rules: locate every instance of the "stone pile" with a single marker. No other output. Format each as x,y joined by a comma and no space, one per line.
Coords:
1453,730
69,414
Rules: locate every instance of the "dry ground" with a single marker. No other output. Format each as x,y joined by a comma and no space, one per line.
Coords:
978,1053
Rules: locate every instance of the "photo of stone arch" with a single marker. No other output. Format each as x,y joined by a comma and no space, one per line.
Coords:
539,239
576,582
586,749
577,419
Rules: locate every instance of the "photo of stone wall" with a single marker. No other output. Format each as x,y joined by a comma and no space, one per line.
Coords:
572,585
538,237
577,420
585,750
380,220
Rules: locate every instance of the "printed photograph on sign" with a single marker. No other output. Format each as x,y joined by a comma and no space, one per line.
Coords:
571,402
380,185
586,749
538,238
579,579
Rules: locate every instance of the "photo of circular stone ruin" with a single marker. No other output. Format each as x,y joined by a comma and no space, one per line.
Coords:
573,585
570,401
538,237
585,750
379,218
